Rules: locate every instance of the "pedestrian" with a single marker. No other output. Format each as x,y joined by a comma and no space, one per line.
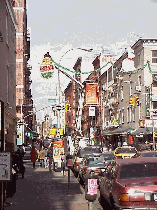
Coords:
20,154
42,156
33,155
63,162
50,156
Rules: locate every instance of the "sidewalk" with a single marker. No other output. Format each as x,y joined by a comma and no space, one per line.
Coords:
41,189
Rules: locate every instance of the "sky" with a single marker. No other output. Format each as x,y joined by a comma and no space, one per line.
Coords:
59,26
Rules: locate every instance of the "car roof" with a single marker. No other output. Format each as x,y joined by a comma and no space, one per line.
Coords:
147,151
125,147
108,152
136,160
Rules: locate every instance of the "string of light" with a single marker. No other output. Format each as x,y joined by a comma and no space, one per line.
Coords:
48,75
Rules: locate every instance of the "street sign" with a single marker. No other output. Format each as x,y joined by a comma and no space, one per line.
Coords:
52,100
5,166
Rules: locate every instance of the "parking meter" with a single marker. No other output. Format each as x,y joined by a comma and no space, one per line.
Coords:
91,188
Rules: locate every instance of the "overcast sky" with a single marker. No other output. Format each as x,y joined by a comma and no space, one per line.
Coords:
58,26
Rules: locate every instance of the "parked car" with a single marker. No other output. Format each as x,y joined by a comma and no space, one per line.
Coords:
125,152
77,158
148,154
91,166
130,184
27,155
109,156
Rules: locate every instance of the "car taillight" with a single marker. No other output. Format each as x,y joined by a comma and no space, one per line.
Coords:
124,197
77,164
86,170
134,197
137,197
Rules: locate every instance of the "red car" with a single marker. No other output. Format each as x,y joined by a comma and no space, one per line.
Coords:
130,184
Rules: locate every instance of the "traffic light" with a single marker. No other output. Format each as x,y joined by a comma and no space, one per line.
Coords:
137,101
67,108
132,101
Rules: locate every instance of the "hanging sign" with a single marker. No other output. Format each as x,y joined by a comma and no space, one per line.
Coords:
47,67
91,93
91,111
53,131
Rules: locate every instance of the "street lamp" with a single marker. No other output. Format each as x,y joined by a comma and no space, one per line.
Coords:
59,70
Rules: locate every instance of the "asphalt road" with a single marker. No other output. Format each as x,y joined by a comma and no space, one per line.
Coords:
42,189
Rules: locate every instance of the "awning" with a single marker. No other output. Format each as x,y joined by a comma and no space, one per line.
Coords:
143,131
106,133
121,130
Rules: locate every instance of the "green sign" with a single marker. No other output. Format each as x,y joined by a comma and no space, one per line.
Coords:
52,100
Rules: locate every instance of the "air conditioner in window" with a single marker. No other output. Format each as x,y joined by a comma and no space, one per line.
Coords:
138,88
104,87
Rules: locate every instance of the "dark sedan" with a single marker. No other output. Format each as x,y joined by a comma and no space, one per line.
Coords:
92,166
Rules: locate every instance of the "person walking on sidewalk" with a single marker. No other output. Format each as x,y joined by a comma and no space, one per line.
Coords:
63,162
33,155
42,156
50,156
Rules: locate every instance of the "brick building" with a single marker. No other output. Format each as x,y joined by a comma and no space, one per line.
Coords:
24,102
7,77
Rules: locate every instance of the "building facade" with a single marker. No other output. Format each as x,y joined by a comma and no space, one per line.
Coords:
7,77
24,102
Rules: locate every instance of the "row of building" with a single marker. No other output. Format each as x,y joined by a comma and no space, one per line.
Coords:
16,104
118,100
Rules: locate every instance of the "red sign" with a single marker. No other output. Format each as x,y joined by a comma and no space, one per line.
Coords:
91,93
58,144
46,68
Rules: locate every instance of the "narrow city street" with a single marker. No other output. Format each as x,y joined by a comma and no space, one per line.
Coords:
41,189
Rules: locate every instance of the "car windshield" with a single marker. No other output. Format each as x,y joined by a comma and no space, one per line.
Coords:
125,150
95,160
149,154
138,170
109,156
88,150
27,148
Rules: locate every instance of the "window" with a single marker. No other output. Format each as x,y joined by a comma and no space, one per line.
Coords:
154,56
139,80
122,97
123,117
